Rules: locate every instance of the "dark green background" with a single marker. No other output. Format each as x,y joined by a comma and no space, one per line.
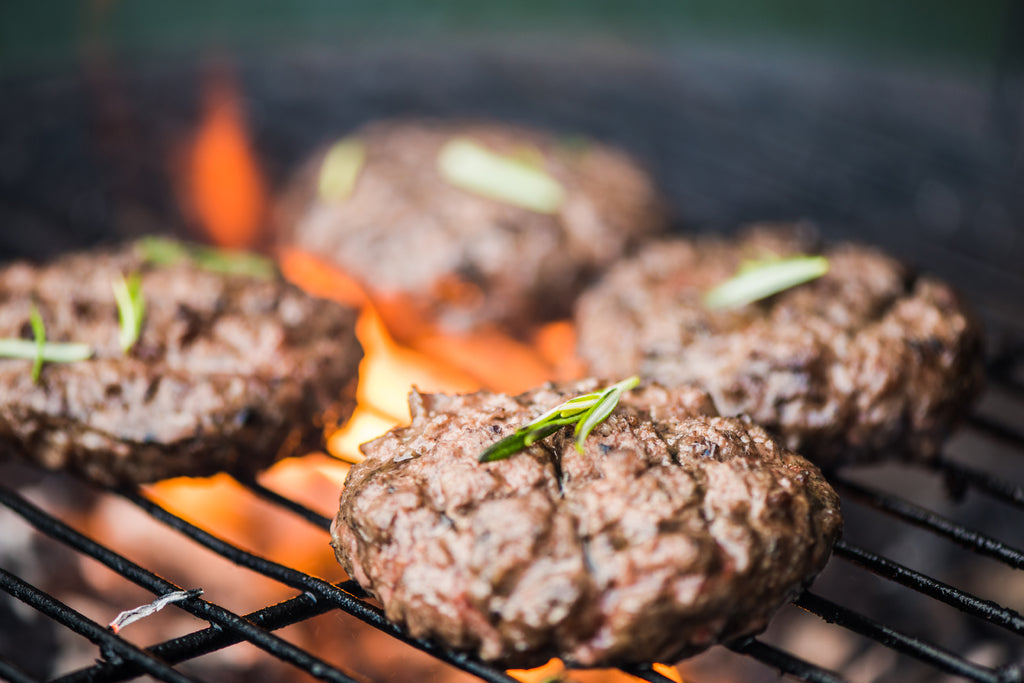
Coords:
950,32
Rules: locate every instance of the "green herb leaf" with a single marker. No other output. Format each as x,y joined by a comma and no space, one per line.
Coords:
130,309
40,351
53,352
340,169
233,262
163,251
586,412
35,319
596,416
761,279
469,166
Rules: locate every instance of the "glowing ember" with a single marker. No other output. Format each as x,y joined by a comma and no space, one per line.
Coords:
224,186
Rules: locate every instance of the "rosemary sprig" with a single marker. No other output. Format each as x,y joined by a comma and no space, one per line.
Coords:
756,280
163,251
53,352
131,306
40,351
471,167
340,169
35,319
586,412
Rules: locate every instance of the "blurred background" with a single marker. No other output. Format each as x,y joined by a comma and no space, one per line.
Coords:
895,123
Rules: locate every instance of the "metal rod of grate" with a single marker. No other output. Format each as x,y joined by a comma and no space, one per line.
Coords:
112,646
973,540
927,652
122,660
784,662
225,619
773,657
14,674
983,609
199,643
348,602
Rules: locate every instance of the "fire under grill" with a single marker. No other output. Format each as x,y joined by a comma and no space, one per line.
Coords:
926,582
119,659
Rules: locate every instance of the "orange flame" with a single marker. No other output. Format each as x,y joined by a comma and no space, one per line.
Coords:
319,278
428,359
555,670
224,186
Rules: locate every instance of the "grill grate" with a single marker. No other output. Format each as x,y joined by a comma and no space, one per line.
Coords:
121,660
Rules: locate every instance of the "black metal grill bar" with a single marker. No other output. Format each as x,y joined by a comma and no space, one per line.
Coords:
320,588
767,654
110,644
1001,367
199,643
900,642
9,672
646,672
1014,389
918,516
282,649
1001,378
984,609
311,516
995,487
785,662
997,430
320,596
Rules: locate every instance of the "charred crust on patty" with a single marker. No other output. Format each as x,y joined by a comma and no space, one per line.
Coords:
457,259
226,368
675,529
871,360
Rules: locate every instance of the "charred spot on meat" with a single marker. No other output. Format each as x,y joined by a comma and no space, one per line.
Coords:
227,368
468,224
672,530
866,361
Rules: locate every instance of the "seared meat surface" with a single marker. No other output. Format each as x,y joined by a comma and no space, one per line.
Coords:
459,259
230,371
867,360
673,530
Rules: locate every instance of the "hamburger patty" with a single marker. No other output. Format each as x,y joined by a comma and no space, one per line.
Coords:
867,359
228,373
408,234
673,530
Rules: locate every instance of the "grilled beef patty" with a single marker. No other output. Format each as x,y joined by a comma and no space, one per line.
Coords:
866,360
673,530
455,257
229,372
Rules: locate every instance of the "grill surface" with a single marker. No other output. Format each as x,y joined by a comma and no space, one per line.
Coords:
928,537
120,660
